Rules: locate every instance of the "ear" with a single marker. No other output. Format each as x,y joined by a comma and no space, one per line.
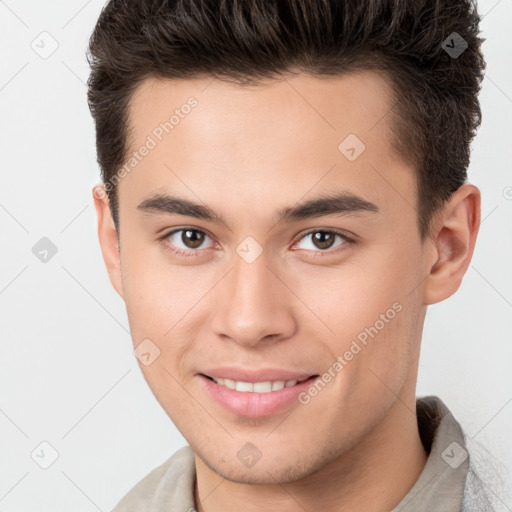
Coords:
453,235
108,237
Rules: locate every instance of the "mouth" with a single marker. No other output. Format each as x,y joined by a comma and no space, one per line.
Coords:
259,387
257,398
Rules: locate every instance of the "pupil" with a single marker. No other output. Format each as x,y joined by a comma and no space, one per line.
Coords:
319,238
192,241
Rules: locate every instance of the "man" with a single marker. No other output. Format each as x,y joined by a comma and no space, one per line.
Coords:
284,193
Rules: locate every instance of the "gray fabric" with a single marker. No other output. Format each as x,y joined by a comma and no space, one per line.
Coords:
446,484
440,486
169,487
475,497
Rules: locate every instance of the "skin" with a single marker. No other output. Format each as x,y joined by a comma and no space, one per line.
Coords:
247,152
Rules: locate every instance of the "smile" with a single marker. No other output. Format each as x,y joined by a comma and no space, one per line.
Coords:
256,387
255,399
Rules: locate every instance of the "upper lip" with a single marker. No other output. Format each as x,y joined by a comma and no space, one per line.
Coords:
262,375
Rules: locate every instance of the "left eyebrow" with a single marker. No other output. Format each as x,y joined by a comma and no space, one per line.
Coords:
343,203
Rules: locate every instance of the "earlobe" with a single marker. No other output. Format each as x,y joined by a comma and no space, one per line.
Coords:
108,237
454,239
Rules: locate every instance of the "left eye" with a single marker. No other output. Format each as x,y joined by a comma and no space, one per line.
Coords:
323,240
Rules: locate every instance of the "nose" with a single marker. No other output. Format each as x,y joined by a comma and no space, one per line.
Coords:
254,304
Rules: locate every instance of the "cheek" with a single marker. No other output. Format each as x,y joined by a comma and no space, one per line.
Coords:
352,296
154,291
163,302
371,307
174,393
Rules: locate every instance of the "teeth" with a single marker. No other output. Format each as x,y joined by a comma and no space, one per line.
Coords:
244,386
231,384
277,385
257,387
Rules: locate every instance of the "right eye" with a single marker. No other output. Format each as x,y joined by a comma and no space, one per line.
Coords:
190,239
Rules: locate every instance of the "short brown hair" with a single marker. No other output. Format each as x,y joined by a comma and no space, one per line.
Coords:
416,43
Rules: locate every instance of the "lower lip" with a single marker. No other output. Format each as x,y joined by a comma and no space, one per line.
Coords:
251,404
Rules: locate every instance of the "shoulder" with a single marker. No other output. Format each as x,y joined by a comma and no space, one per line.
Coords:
170,484
476,498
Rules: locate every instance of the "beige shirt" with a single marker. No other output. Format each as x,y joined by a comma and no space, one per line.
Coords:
446,483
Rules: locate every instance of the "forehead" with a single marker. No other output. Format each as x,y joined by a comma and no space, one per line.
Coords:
289,134
351,103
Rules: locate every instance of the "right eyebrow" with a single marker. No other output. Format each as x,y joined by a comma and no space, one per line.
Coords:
163,203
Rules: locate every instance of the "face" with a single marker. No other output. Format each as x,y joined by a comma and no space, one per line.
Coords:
265,280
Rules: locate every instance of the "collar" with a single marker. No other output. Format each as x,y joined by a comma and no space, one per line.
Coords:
441,484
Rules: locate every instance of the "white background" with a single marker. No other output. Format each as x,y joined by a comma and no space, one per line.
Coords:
67,372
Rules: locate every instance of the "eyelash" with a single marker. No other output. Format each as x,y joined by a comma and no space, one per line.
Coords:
195,252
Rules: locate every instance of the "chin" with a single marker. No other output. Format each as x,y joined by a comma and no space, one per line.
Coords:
265,472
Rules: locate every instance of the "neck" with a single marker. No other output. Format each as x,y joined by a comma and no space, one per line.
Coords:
374,475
